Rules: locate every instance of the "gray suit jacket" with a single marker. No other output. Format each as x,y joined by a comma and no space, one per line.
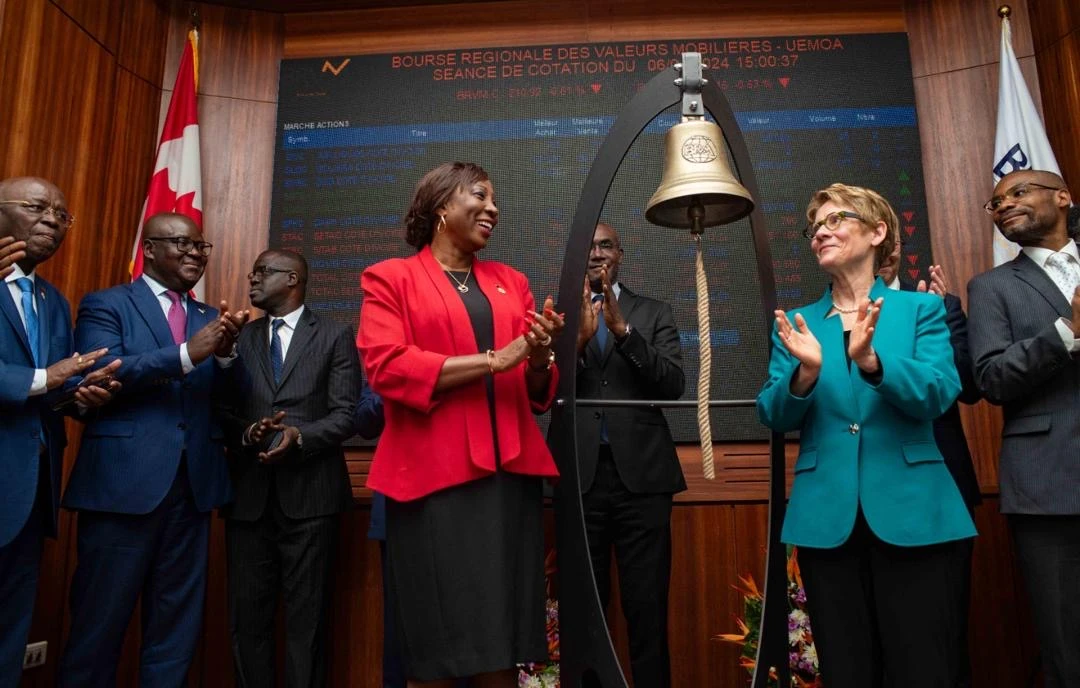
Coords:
1022,364
319,390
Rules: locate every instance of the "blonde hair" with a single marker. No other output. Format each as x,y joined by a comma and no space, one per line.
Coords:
869,205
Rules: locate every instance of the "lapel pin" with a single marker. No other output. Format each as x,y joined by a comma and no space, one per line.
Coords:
202,310
498,288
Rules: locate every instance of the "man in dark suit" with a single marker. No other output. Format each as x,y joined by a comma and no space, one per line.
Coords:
151,465
36,361
1025,342
948,428
628,348
296,402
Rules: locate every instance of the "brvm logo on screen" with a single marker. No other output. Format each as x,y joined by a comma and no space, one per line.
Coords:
327,67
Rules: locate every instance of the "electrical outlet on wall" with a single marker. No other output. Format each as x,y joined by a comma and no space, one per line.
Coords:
35,654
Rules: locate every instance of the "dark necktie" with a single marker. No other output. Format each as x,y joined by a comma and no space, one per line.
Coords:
177,317
601,327
26,286
277,359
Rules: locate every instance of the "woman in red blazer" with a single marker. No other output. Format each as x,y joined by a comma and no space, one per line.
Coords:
462,361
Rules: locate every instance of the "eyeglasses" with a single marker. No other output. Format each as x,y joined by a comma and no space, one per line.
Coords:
1014,194
184,244
604,245
39,209
262,271
830,221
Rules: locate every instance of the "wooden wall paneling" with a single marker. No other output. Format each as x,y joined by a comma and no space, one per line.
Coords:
522,22
624,20
702,601
237,184
1052,20
356,639
1059,71
100,19
133,144
948,35
239,50
1000,633
515,22
142,45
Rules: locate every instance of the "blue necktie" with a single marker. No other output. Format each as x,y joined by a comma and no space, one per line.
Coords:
26,285
601,341
277,360
601,328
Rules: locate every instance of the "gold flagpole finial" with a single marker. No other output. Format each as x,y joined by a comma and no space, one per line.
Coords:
1004,11
193,17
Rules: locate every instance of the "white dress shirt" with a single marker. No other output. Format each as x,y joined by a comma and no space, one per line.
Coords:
1040,256
286,331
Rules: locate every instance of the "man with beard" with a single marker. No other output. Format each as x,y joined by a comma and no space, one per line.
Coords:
297,388
151,465
36,361
1025,342
628,348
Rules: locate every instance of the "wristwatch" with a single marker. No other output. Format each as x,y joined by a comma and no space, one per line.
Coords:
299,439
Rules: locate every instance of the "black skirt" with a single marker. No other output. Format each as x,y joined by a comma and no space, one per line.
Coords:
465,570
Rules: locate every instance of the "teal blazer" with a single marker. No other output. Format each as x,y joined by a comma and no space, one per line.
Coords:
871,444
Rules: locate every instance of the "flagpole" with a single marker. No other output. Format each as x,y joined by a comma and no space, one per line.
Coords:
1004,11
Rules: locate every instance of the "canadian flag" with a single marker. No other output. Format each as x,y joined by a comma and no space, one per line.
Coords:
176,185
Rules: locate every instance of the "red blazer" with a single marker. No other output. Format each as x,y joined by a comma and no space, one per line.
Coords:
411,321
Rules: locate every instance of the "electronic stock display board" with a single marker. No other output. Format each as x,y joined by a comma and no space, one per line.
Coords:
355,133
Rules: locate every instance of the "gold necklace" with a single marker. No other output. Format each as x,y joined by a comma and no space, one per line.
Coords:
462,285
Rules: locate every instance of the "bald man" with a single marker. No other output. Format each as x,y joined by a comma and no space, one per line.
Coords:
1024,332
36,362
296,396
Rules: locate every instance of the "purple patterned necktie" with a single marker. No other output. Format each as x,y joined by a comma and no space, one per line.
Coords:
177,317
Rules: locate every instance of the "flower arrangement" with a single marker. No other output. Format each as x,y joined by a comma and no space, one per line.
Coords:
802,655
545,674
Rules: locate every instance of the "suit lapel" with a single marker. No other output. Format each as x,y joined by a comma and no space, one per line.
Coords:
458,323
147,306
42,306
198,314
628,301
7,304
505,305
301,338
258,354
1027,271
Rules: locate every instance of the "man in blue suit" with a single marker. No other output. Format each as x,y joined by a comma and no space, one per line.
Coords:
35,362
151,465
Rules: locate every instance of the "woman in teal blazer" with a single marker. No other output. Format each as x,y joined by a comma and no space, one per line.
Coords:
877,517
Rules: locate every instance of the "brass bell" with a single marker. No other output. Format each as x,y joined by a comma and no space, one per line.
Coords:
696,171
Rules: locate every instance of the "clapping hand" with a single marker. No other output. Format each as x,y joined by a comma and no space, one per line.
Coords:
799,340
938,284
98,388
542,330
590,318
231,323
11,252
860,348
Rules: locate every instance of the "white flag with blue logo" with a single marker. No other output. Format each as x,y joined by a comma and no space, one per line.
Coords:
1021,142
